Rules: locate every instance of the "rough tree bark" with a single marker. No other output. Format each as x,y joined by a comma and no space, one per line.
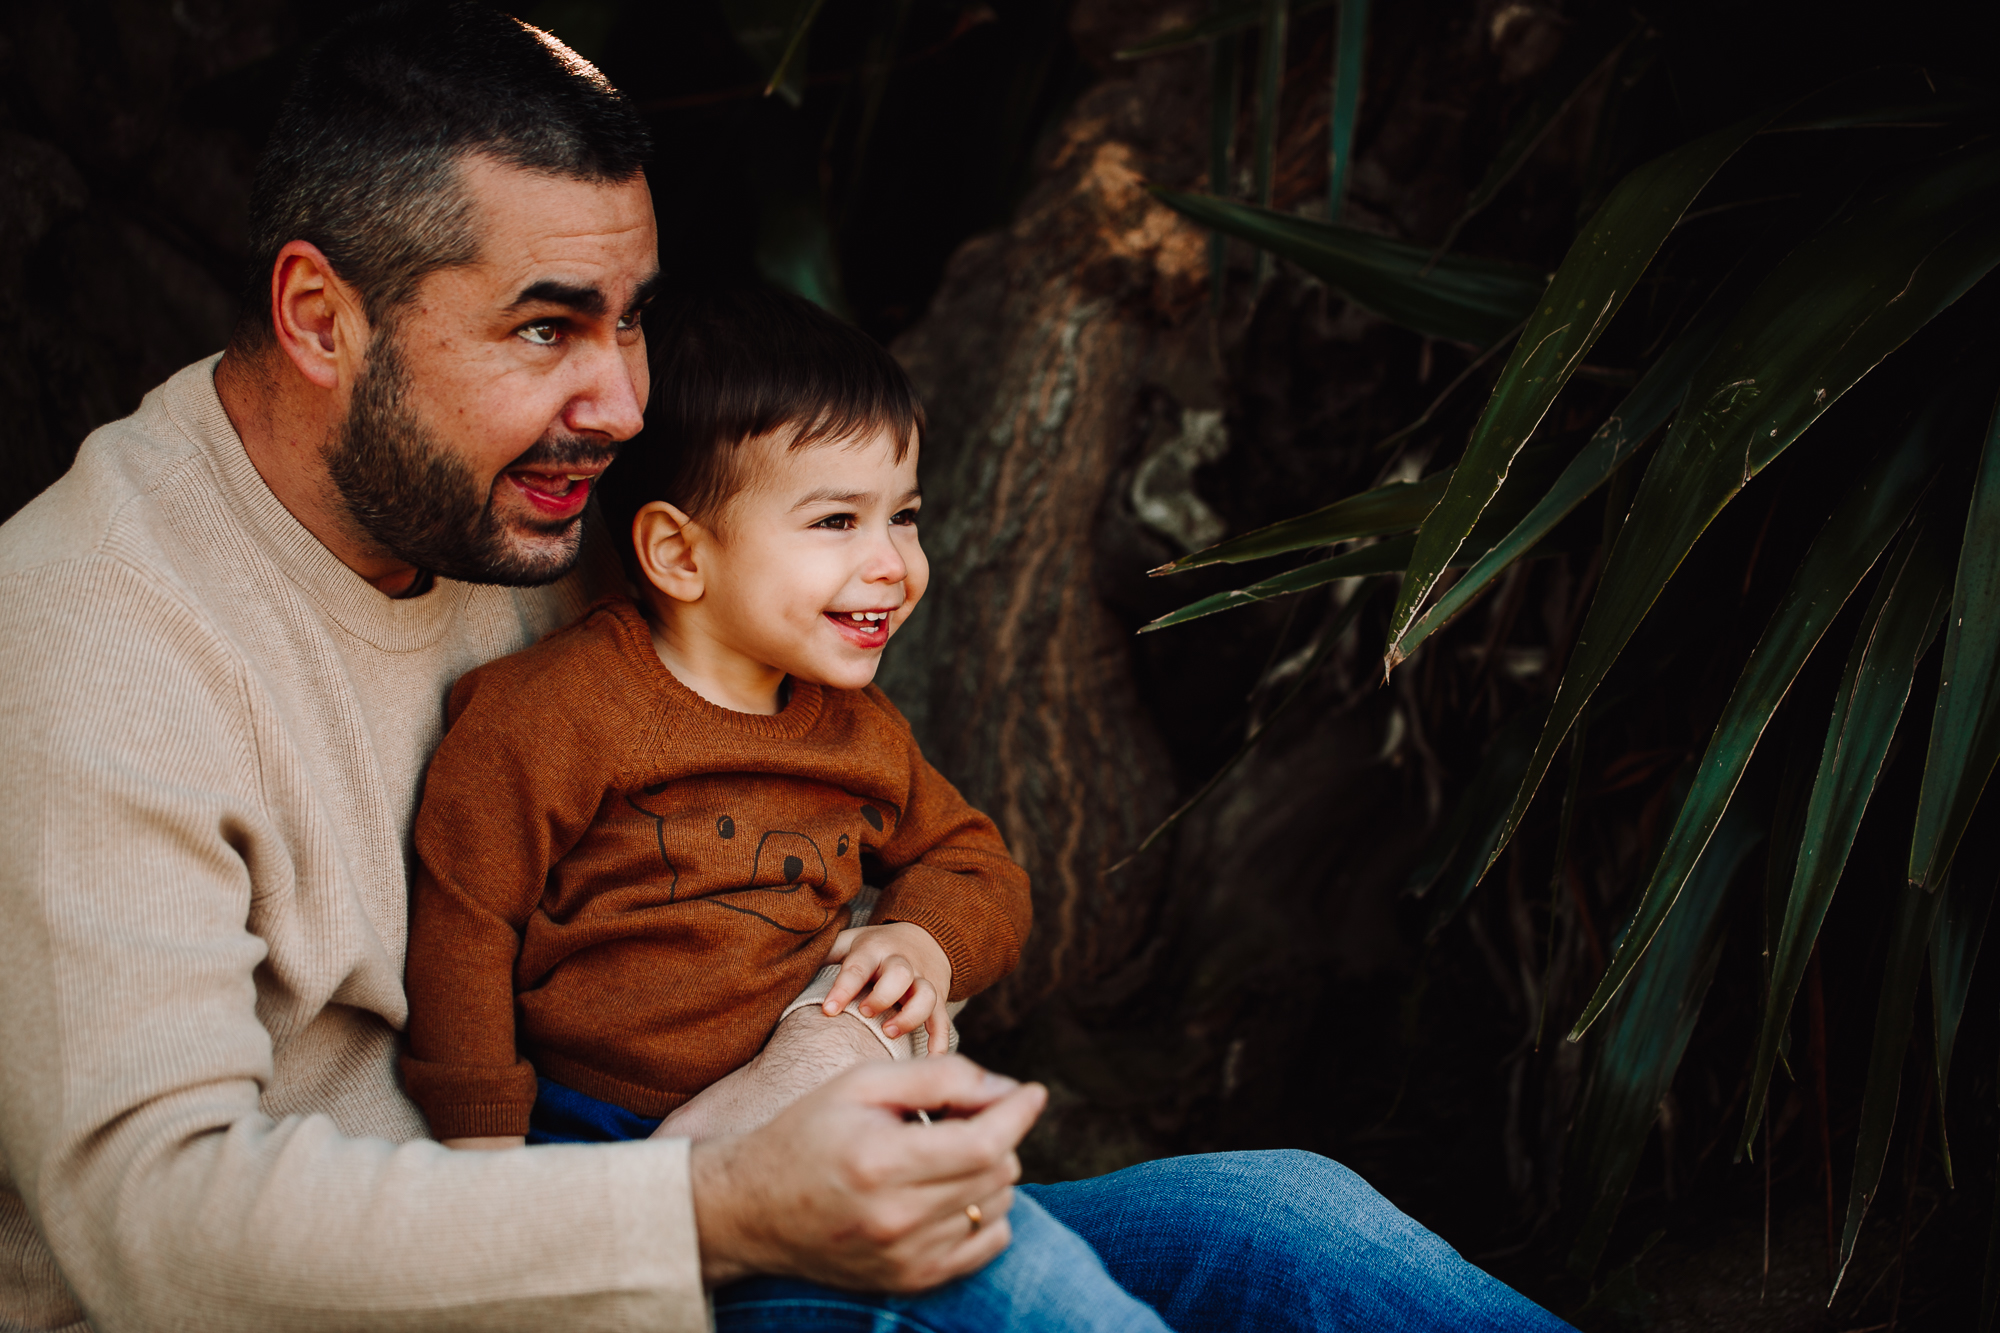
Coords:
1043,360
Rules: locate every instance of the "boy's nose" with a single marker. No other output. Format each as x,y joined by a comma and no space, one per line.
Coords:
885,563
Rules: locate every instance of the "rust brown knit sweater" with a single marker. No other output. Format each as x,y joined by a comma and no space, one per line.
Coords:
621,884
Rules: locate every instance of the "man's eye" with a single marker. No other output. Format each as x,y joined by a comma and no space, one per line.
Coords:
546,333
904,518
630,321
836,522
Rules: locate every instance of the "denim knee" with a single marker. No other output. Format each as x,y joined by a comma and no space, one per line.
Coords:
1046,1281
1278,1240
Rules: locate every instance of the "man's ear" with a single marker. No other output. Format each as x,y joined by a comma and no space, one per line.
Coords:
319,319
669,546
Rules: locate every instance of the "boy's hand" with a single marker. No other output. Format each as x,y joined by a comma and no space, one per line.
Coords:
895,967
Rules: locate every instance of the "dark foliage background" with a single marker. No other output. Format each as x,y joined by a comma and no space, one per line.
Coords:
1259,980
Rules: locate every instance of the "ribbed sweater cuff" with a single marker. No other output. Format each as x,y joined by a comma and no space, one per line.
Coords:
975,963
471,1101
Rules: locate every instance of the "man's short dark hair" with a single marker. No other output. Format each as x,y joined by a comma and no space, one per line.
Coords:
731,366
363,159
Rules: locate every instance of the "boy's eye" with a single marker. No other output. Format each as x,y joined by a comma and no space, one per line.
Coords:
543,333
836,522
904,518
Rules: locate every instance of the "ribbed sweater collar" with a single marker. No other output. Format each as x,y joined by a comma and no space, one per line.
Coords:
395,625
688,717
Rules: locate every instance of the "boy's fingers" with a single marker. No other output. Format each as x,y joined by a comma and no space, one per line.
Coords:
853,976
937,1031
915,1008
892,983
842,943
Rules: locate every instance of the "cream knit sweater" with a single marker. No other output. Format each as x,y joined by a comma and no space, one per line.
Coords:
214,733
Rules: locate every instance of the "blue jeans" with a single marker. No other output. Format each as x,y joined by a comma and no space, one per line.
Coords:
1252,1241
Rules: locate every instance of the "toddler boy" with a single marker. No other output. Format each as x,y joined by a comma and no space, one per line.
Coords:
642,837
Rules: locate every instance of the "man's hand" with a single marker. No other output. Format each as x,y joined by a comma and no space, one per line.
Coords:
807,1049
841,1189
899,967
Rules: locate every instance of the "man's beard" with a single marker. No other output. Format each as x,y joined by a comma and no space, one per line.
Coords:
415,500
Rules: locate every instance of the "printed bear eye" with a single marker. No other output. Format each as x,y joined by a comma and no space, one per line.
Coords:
654,788
840,849
726,827
873,816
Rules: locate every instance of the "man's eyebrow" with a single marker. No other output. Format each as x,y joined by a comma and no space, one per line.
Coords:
647,290
580,297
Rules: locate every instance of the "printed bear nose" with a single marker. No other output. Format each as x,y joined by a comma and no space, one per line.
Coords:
787,862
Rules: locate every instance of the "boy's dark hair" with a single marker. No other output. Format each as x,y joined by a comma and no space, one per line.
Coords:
729,366
362,160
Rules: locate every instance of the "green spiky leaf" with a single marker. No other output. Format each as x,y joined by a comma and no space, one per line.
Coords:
1350,44
1954,949
1900,623
1642,412
1477,301
1397,507
1596,276
1916,910
1965,729
1644,1037
1386,557
1457,857
1840,558
1849,295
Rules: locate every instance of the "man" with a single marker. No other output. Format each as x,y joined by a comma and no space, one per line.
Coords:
225,639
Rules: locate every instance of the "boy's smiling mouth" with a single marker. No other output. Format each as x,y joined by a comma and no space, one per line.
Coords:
864,629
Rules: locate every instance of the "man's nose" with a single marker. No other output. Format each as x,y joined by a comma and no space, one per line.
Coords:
609,401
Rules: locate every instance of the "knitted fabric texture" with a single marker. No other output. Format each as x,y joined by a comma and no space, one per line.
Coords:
215,732
622,886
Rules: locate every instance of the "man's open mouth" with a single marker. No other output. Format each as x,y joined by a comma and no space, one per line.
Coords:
554,493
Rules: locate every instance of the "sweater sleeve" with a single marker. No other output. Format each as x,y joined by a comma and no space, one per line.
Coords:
142,853
950,873
515,782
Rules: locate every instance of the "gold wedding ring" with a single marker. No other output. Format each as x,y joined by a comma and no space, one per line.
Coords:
974,1216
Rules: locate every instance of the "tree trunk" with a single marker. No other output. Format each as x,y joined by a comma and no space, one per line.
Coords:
1046,361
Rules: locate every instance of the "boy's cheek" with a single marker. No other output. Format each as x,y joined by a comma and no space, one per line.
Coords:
915,582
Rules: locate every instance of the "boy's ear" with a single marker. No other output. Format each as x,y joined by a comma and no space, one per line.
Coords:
667,543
